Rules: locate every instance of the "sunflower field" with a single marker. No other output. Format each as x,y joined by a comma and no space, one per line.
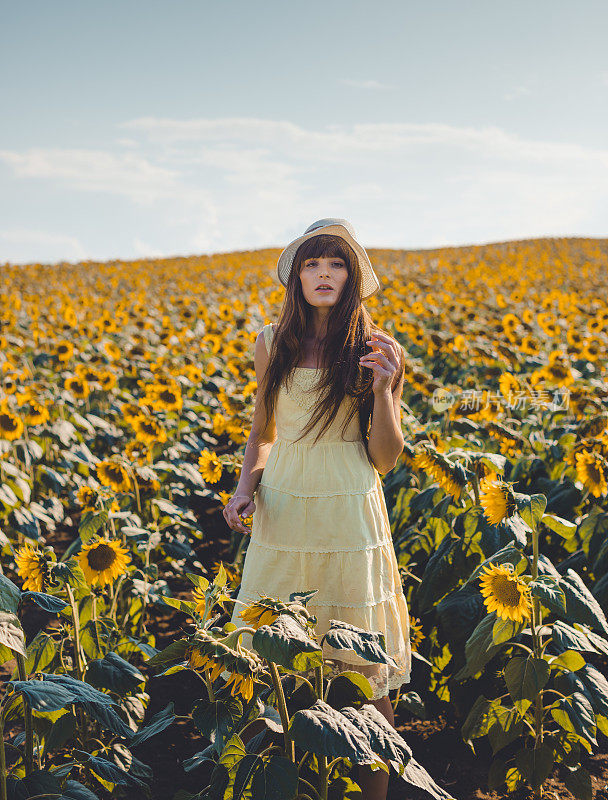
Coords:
127,392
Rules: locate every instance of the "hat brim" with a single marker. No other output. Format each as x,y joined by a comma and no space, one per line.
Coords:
369,281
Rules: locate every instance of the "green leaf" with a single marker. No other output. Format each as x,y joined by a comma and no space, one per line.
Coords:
531,508
535,764
439,575
477,723
415,774
61,732
509,554
370,645
11,633
412,702
232,755
287,643
73,790
575,714
42,695
548,590
187,606
114,673
562,527
569,638
217,719
172,654
570,660
578,783
91,522
348,689
69,572
505,629
508,725
159,722
382,738
9,595
525,677
46,601
275,778
40,653
581,605
111,772
326,732
479,648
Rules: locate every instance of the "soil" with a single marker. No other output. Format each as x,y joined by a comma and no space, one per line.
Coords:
435,744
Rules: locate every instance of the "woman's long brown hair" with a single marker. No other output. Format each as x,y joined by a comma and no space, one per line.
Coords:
349,325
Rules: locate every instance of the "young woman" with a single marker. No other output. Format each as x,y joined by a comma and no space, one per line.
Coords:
327,421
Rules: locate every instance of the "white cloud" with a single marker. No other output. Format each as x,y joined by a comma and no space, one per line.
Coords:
211,185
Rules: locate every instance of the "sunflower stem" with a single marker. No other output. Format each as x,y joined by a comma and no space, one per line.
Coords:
78,664
2,760
536,623
209,685
476,488
290,750
27,718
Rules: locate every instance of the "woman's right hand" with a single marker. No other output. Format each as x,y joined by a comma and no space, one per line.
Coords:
239,506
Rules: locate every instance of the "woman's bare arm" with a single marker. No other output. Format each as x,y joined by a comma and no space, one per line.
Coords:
385,441
256,453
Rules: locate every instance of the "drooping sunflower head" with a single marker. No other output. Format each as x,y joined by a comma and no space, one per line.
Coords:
86,497
416,634
591,471
217,655
496,498
33,567
102,561
505,592
261,612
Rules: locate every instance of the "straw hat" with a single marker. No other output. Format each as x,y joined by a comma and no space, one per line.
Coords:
335,227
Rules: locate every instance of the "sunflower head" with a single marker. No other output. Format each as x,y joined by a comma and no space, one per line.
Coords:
505,592
416,634
103,560
496,498
218,655
33,565
260,613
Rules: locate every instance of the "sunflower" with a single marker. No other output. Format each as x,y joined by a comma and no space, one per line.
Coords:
210,466
148,430
495,497
102,561
504,592
86,497
111,473
590,468
35,413
416,635
77,386
451,477
11,426
226,654
32,566
260,612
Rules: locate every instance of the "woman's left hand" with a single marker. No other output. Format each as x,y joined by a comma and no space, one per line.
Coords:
384,361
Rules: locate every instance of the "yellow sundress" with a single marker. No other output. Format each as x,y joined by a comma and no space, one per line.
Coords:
321,523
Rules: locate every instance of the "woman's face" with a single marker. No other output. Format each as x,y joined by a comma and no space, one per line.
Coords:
323,271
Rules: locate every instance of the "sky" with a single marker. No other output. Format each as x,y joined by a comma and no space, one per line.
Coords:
139,128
